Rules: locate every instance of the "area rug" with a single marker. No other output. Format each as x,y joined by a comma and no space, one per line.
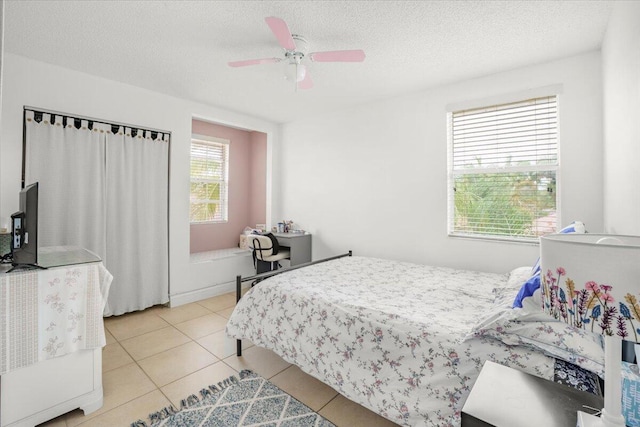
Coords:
248,401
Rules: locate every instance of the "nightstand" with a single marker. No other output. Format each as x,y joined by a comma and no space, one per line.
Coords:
506,397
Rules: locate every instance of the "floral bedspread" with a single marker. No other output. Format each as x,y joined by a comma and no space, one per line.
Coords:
388,335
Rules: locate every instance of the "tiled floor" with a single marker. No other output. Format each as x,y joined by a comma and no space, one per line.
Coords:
159,356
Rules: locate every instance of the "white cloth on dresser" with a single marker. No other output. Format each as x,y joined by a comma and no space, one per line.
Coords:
50,313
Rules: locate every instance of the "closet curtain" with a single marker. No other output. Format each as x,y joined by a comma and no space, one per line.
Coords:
137,219
105,188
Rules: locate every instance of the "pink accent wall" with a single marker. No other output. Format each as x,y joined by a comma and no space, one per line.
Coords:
258,181
247,187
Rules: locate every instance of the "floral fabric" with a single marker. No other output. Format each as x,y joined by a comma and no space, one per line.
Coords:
541,332
388,335
591,307
574,376
70,301
50,313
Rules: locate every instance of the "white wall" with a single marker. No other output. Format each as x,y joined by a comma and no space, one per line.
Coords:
373,179
36,84
621,78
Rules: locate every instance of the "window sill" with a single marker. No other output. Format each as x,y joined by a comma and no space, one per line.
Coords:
222,221
495,239
209,256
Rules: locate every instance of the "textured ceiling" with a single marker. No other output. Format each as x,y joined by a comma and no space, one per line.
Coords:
181,48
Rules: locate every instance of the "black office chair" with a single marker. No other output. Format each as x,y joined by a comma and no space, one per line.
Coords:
263,253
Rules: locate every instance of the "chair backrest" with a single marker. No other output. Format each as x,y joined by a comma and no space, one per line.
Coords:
261,245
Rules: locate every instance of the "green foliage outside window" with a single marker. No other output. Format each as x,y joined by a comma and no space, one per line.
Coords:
208,190
205,199
504,204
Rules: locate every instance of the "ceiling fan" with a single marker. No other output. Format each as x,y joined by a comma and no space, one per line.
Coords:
295,50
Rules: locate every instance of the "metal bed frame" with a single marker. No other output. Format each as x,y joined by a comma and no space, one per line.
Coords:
259,277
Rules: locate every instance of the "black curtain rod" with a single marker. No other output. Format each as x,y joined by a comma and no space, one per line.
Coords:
38,112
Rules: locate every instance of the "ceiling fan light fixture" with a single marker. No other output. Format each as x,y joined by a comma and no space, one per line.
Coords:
295,72
296,48
301,72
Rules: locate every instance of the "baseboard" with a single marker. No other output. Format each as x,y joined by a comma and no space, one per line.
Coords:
176,300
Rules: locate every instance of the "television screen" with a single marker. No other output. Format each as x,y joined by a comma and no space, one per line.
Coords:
24,245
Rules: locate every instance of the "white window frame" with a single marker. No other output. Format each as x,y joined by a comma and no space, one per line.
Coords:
455,169
224,145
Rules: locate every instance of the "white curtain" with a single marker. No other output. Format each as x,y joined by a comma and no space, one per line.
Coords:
137,220
108,193
69,165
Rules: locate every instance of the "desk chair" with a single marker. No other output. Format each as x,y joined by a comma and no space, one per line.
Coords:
263,254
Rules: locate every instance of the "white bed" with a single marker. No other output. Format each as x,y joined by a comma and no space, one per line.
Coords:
404,340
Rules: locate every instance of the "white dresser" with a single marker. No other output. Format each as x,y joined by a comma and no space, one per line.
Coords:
33,390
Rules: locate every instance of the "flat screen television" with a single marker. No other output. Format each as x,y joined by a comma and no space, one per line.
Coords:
24,227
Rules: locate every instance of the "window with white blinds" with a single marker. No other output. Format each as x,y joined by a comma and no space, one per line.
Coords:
503,163
209,180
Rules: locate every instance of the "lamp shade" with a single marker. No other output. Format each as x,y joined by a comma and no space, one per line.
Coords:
592,281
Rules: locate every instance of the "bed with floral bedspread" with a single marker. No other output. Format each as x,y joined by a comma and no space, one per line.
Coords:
404,340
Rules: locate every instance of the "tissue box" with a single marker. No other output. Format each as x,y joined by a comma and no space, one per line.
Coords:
631,394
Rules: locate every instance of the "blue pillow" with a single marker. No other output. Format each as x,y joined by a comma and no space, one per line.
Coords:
574,227
530,286
527,290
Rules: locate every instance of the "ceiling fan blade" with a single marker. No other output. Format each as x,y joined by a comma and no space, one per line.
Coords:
253,62
338,56
305,83
281,31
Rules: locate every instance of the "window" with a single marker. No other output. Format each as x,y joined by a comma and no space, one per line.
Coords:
503,163
209,179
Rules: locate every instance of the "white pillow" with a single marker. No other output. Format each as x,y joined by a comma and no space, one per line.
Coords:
536,329
506,293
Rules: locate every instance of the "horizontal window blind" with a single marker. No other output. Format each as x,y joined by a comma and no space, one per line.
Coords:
503,170
209,181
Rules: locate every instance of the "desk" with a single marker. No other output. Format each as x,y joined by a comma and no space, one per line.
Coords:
299,246
43,377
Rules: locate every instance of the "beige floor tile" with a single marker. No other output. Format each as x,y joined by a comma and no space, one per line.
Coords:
182,313
308,390
155,342
120,386
136,409
202,326
193,383
260,360
220,302
109,337
168,366
226,312
134,324
345,413
114,356
221,345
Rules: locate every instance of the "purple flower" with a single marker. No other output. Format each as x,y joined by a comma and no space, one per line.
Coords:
622,327
608,315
